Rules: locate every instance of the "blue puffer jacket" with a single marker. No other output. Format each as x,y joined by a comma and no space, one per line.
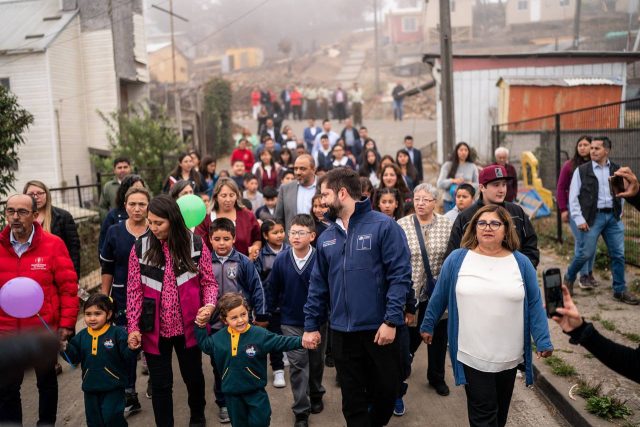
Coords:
363,277
444,295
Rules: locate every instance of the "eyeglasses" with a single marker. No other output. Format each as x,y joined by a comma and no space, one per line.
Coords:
492,225
21,212
423,200
301,233
37,194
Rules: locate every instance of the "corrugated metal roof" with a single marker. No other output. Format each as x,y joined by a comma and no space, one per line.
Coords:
30,25
562,82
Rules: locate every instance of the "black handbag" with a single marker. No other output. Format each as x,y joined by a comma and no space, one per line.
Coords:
427,290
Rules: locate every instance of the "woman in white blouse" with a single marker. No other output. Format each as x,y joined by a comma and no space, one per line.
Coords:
491,291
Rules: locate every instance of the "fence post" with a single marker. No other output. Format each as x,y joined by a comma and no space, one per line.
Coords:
79,190
99,184
558,166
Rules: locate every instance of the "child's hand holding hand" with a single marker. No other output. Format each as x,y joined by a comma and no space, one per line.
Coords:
135,340
204,315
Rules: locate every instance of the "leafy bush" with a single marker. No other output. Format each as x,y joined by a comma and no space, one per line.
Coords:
147,138
14,121
608,407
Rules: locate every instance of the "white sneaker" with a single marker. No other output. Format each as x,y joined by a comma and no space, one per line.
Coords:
285,359
278,379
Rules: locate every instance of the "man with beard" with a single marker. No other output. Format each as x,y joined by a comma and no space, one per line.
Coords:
295,197
26,250
362,277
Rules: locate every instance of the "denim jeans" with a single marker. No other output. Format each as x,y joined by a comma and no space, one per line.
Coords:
578,238
612,231
398,110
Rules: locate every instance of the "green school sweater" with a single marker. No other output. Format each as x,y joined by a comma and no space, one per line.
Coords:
246,370
103,357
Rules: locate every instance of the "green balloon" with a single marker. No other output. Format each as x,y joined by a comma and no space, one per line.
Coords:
193,209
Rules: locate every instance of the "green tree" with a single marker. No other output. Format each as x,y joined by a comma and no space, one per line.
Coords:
146,137
14,121
217,115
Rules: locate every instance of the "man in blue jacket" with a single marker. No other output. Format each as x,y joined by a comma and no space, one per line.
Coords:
361,277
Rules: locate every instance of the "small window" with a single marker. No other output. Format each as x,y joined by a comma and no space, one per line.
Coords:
5,82
523,4
564,2
409,24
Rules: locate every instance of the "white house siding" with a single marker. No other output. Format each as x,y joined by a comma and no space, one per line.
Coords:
29,82
68,91
476,98
101,88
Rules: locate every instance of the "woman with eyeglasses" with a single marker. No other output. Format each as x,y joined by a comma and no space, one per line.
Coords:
495,309
55,220
427,234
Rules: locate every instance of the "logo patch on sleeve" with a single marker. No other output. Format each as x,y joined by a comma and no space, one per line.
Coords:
328,243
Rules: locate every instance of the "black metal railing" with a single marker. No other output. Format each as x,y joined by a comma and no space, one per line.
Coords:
553,138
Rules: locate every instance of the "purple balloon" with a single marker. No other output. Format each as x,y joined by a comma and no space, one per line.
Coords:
21,297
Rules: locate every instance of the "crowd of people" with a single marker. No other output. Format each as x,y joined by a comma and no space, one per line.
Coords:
314,253
311,101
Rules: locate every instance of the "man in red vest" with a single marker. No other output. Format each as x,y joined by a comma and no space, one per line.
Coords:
26,250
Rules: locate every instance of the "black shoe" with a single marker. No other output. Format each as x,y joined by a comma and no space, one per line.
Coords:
317,406
197,421
625,297
302,420
329,362
441,388
132,404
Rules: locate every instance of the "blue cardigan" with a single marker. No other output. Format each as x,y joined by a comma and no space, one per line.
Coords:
535,318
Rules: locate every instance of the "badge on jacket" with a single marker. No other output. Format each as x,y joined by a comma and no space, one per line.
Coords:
108,343
251,350
232,272
364,242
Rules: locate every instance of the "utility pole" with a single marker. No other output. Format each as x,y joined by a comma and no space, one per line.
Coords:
176,95
377,50
576,25
446,70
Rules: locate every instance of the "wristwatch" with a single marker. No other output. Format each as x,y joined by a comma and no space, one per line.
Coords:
389,323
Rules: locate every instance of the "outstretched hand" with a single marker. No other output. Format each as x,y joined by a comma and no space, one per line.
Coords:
569,318
631,184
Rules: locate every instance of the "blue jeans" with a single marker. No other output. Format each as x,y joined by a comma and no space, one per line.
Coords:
612,231
578,238
398,110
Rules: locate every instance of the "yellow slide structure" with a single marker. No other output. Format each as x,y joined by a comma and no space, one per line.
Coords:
532,181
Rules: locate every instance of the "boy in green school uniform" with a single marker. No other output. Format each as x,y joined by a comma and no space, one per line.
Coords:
240,351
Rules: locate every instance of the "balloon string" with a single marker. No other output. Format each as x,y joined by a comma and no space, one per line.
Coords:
64,353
